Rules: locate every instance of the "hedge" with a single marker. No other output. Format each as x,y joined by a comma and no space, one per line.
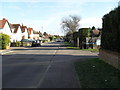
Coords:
4,40
83,33
75,36
110,37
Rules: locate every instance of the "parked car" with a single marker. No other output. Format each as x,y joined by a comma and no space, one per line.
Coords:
36,43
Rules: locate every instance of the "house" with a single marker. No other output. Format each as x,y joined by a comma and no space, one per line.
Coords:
16,32
24,32
5,27
30,33
45,37
95,37
35,35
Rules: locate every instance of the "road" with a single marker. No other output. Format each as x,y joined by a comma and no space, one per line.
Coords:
49,66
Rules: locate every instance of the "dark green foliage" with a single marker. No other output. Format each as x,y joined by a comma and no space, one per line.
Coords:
69,37
4,41
110,38
75,36
80,37
51,38
93,28
17,44
83,33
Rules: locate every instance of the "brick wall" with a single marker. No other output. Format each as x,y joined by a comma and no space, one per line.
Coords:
110,57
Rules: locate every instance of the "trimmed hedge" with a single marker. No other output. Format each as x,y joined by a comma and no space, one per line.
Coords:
75,36
110,37
4,40
83,33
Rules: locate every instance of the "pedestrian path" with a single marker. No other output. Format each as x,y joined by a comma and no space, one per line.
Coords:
2,52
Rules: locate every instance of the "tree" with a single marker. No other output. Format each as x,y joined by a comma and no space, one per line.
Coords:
40,34
45,34
70,24
93,28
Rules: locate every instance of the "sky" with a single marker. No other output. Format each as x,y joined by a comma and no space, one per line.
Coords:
46,15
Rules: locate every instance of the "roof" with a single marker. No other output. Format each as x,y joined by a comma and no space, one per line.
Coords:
2,23
35,32
30,30
96,32
15,27
23,28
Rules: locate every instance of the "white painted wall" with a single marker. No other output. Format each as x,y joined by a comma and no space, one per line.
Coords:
31,35
36,35
17,36
6,30
25,33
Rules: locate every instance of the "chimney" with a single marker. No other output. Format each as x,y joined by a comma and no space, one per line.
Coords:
4,19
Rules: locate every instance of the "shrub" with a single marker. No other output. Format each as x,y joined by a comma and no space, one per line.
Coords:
17,44
75,36
4,40
83,33
51,38
110,38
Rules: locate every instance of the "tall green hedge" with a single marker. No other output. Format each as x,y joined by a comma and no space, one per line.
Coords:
4,40
75,36
110,38
83,33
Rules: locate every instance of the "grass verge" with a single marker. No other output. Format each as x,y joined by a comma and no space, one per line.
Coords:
92,50
70,46
95,73
77,48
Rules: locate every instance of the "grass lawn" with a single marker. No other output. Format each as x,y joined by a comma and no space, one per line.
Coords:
92,50
77,48
70,46
95,73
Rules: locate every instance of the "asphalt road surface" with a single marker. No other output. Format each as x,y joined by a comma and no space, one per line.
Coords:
49,66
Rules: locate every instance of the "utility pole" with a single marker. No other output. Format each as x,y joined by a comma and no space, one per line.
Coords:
41,28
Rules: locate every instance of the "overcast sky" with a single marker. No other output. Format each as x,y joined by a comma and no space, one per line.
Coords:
46,15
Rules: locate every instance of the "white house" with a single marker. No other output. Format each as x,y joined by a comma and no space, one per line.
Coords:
16,32
30,33
24,32
5,27
35,35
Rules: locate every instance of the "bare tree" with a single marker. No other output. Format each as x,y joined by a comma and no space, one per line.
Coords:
71,23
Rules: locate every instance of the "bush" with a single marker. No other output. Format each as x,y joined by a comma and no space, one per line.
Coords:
51,38
75,36
17,44
110,38
85,32
4,40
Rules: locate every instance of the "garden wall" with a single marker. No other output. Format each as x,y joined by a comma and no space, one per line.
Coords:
112,58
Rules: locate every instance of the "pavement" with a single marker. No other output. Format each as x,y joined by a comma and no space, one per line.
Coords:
2,52
49,66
